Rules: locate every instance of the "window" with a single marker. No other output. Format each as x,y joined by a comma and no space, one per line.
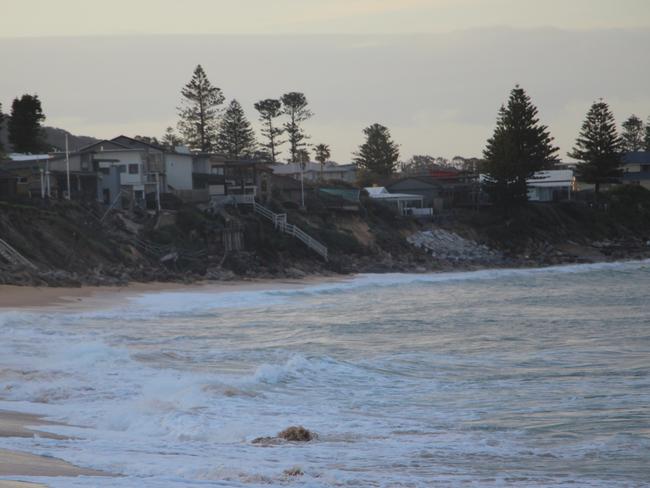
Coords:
645,168
216,170
22,180
122,168
134,169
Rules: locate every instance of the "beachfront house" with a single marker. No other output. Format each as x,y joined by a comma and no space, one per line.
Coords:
403,203
636,168
551,185
313,172
232,180
124,168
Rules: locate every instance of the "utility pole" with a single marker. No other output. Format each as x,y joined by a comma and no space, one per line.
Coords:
158,191
67,165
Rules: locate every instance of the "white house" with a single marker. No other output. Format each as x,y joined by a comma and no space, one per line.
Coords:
406,204
555,184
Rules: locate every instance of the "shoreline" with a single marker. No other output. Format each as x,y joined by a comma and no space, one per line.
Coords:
19,463
14,297
54,298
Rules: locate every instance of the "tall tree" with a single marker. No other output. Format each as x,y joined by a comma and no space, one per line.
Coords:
236,137
598,147
199,112
294,106
2,119
270,109
519,147
322,156
633,134
170,139
148,140
646,139
379,154
25,125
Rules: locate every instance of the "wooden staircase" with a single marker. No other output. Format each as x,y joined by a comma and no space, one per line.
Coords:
280,223
14,257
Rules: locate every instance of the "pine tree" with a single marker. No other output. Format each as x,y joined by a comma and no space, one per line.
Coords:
322,156
199,112
519,147
236,137
2,119
633,134
269,110
379,154
25,125
170,140
295,107
598,147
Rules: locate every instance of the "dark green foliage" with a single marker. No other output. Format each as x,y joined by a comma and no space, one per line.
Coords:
598,147
294,106
236,137
199,112
379,154
2,119
632,135
269,110
322,156
170,140
25,125
646,137
519,147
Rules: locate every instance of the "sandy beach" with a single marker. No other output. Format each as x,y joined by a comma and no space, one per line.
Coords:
98,297
15,463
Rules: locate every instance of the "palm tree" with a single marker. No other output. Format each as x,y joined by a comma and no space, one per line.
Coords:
322,156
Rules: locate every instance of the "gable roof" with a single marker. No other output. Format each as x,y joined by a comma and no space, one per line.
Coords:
131,143
101,143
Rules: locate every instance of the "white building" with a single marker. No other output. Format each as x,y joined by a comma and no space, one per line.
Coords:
547,186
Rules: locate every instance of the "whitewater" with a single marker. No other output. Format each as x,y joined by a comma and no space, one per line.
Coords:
534,377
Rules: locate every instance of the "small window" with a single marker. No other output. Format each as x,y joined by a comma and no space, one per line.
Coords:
22,180
104,171
134,169
122,168
217,170
645,168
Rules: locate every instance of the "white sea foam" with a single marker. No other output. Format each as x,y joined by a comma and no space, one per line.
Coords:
170,389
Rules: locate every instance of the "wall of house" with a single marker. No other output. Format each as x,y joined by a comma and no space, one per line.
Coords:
126,158
178,169
60,164
414,187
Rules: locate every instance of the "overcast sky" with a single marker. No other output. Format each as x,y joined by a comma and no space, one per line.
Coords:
434,71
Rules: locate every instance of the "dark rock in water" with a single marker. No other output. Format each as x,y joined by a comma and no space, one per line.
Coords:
291,434
297,434
295,471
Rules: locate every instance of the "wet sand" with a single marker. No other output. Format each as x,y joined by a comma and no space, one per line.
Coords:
16,463
99,297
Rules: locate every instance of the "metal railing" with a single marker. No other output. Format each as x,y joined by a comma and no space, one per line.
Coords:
14,257
280,223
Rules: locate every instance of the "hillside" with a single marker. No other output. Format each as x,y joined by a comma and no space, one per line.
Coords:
54,138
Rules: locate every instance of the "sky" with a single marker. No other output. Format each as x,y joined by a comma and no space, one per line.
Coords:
434,71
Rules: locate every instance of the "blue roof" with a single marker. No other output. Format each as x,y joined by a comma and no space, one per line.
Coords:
638,157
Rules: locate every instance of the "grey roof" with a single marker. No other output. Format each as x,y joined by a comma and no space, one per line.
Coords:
638,157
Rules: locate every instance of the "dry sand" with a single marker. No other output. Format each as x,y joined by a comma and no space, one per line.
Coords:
14,463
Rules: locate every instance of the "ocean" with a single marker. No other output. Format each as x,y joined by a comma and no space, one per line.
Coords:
487,378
